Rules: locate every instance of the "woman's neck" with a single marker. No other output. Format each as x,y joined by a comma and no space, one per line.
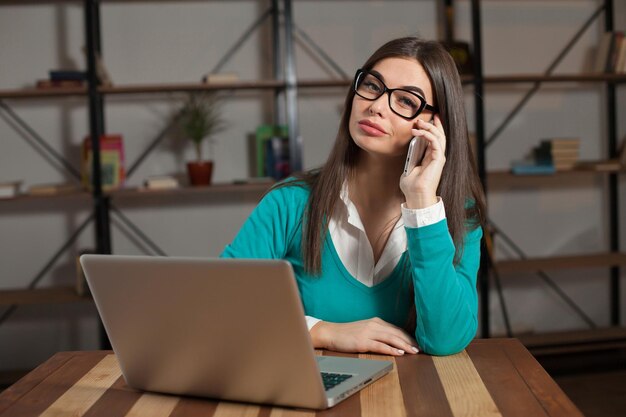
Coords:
375,181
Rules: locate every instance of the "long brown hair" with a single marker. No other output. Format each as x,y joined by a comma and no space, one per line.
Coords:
459,181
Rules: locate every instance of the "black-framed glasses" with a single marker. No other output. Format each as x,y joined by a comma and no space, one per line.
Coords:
405,103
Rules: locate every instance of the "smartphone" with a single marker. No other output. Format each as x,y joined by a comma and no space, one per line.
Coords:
417,150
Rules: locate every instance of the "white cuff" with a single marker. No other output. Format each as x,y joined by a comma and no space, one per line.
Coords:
311,321
425,216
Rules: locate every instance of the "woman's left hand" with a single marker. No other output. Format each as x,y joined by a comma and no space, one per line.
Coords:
420,185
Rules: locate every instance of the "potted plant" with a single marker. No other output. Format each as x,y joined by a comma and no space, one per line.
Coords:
200,120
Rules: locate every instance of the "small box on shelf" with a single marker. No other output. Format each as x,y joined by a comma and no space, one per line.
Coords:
161,182
220,78
53,189
10,189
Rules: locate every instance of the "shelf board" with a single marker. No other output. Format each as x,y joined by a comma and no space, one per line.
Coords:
574,341
77,195
324,83
505,178
54,295
532,78
220,188
191,87
277,84
43,93
562,262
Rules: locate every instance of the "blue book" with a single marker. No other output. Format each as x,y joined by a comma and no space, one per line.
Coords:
277,163
66,75
530,168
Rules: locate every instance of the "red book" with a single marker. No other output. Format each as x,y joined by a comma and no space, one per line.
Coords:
112,168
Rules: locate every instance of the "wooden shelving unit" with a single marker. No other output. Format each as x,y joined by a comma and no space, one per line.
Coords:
606,179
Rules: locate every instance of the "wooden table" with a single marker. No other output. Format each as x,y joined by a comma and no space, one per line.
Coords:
492,377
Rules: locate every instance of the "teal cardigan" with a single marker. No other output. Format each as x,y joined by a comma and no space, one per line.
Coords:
444,294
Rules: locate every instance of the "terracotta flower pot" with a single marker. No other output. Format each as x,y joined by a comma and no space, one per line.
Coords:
200,172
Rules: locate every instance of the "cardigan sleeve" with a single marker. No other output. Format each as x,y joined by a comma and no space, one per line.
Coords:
268,231
446,300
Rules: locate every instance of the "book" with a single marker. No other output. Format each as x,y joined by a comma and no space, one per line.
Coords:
10,189
112,168
67,75
264,133
561,153
161,182
531,168
53,189
220,78
561,142
277,162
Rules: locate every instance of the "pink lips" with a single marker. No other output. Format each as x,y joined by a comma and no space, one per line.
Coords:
371,128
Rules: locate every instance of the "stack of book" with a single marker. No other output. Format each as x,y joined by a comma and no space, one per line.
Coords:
561,153
161,182
63,79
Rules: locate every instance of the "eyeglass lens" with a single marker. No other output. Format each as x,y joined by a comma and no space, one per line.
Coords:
402,102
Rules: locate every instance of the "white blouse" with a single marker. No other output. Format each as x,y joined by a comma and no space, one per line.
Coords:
353,247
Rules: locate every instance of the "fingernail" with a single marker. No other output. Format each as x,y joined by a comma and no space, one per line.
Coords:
400,351
414,349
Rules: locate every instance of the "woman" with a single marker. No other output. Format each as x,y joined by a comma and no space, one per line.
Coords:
380,264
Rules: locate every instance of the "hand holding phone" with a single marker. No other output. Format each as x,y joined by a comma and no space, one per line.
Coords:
417,150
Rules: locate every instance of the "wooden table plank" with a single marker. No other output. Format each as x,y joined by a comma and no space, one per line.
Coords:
194,407
465,391
501,379
32,379
154,405
54,385
383,397
421,388
492,377
116,401
547,392
87,390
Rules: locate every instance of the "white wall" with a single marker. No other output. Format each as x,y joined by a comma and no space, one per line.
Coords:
161,42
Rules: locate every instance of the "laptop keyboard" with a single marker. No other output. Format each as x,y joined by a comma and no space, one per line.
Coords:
331,380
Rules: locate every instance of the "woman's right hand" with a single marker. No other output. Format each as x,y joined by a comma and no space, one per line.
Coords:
372,335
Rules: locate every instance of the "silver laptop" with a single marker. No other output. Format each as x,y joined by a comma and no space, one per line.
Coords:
228,329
